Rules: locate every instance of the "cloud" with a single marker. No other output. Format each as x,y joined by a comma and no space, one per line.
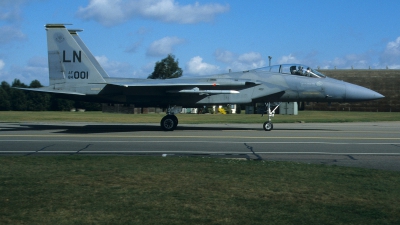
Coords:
35,69
133,47
246,61
9,34
252,59
114,68
38,61
376,59
224,56
113,12
2,64
10,13
164,46
105,12
391,55
123,69
288,59
10,10
196,66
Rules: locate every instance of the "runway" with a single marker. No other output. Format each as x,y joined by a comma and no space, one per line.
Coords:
369,145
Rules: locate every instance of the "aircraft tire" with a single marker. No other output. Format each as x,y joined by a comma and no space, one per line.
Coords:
176,120
268,126
169,122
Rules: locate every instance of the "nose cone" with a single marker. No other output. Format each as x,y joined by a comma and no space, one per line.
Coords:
356,93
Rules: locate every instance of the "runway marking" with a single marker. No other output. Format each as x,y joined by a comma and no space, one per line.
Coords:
196,152
211,137
311,131
214,142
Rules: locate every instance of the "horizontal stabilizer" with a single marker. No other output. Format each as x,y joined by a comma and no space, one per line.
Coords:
52,91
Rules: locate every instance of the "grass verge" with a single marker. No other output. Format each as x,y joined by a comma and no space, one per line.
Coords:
305,116
149,190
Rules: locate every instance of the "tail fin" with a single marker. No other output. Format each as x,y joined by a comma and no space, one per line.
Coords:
70,61
78,40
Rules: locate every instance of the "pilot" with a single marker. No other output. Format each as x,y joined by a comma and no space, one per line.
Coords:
308,72
300,71
293,70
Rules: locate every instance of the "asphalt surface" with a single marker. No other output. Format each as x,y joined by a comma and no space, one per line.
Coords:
369,145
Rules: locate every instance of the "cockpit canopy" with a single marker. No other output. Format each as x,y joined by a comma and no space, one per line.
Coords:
293,69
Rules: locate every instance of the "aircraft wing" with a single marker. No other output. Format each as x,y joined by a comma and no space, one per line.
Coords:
187,83
189,86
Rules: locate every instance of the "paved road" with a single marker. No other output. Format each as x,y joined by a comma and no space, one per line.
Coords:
370,145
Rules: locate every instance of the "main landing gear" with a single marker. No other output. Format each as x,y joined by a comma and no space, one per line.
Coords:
268,125
170,121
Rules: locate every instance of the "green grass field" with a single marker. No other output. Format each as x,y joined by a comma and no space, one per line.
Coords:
305,116
156,190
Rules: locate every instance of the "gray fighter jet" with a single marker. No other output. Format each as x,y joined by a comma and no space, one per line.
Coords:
74,73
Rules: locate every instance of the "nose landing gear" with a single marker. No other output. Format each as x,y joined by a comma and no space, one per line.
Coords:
268,125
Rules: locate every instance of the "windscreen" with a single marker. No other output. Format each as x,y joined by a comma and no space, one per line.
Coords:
293,69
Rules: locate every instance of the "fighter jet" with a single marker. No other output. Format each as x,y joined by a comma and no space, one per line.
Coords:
75,74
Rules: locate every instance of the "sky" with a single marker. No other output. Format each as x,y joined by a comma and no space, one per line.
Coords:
207,37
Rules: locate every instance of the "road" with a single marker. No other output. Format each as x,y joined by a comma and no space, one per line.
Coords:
369,145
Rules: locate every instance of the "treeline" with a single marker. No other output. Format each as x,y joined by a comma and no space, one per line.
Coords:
18,100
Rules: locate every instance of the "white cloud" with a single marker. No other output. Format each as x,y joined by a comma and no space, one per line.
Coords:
9,34
2,64
38,61
10,14
252,60
246,61
105,12
391,55
288,59
35,69
387,57
196,66
10,10
170,11
112,12
114,68
224,56
123,69
356,61
164,46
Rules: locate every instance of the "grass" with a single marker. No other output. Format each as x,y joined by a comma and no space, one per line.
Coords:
305,116
149,190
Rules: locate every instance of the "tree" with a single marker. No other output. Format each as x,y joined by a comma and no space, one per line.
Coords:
166,69
37,101
4,96
58,104
4,100
18,97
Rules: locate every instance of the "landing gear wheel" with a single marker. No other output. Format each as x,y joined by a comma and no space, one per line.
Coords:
169,122
176,120
268,126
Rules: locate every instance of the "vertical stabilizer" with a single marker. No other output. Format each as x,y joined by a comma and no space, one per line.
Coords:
69,62
89,54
